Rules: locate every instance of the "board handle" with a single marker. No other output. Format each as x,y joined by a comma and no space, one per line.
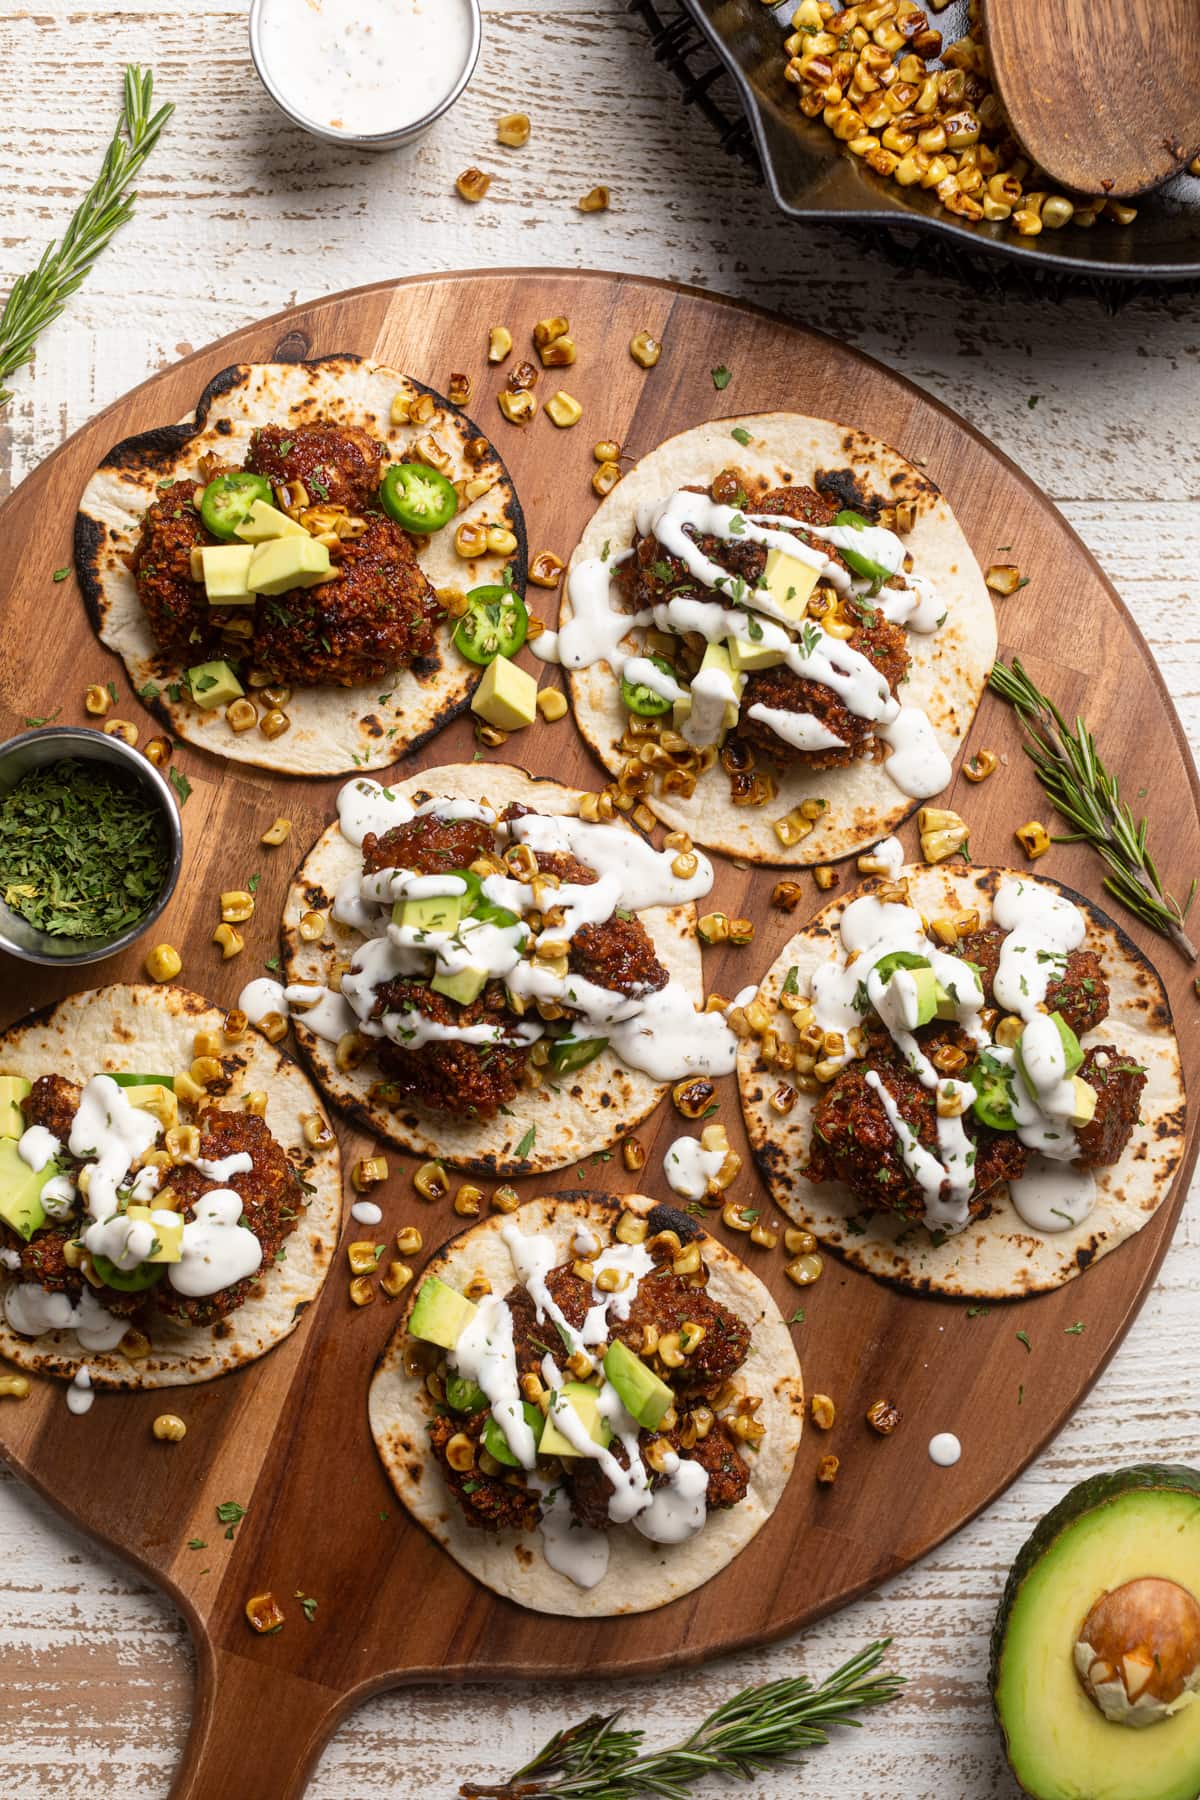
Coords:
255,1729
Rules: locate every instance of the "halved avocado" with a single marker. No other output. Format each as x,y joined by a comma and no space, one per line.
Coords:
1111,1530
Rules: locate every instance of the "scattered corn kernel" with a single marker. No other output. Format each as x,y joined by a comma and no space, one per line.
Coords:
468,1200
1033,838
645,349
169,1428
237,906
14,1387
517,408
368,1172
278,833
362,1293
473,184
163,963
123,729
500,343
362,1256
825,877
741,931
274,723
804,1270
97,700
827,1470
883,1416
564,410
241,715
606,451
395,1279
786,896
264,1613
552,704
317,1131
981,765
595,200
1003,578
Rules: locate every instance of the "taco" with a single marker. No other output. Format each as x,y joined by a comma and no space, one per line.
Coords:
276,572
157,1229
790,608
481,969
965,1081
620,1409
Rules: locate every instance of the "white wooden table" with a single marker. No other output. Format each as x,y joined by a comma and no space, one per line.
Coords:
240,216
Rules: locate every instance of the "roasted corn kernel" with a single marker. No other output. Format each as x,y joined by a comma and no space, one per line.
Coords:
473,184
468,1200
804,1270
505,1199
645,349
827,1470
395,1279
278,833
595,200
14,1387
981,765
317,1131
361,1291
517,408
1033,838
564,410
500,343
123,729
368,1172
237,905
431,1182
97,700
362,1256
163,963
1003,578
264,1614
883,1416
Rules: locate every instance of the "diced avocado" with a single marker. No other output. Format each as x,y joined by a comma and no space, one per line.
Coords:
464,985
213,684
1132,1537
13,1089
506,697
927,992
745,654
20,1191
638,1388
440,1313
495,1442
922,977
157,1098
716,656
265,521
1084,1109
225,568
1070,1043
949,1002
281,564
585,1401
789,582
431,912
167,1228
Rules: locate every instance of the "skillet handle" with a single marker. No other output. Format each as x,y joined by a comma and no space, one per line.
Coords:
256,1728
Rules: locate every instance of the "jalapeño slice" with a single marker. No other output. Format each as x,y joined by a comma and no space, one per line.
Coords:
495,1442
464,1396
127,1281
123,1080
643,700
417,497
887,965
495,623
225,503
857,559
569,1054
993,1097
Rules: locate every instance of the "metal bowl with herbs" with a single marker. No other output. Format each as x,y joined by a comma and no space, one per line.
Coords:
90,845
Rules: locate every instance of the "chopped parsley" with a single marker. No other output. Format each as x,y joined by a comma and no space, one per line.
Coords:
526,1144
1075,1330
61,574
197,1544
252,884
149,692
721,377
35,723
741,434
308,1606
230,1514
1023,1338
181,784
82,850
797,1317
977,1312
791,983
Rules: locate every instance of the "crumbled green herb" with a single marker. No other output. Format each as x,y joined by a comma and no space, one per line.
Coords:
230,1514
252,884
797,1317
1075,1330
149,692
197,1544
721,377
61,574
526,1144
182,786
82,850
272,962
741,434
977,1312
36,723
1023,1338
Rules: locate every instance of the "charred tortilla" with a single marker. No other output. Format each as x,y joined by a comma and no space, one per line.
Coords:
997,1256
332,728
141,1029
577,1115
641,1574
949,667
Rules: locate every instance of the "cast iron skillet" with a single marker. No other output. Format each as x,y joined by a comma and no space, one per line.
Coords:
811,177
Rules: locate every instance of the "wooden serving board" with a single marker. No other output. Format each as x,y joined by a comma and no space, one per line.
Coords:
287,1438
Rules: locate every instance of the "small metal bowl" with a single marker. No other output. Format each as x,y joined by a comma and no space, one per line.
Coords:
383,140
33,750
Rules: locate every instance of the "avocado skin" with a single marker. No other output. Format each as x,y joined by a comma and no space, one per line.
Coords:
1085,1497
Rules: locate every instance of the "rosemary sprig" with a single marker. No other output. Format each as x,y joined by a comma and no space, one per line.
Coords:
1089,798
595,1761
36,299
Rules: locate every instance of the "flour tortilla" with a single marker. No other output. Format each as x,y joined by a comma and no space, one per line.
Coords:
949,667
333,728
150,1030
593,1107
641,1575
997,1257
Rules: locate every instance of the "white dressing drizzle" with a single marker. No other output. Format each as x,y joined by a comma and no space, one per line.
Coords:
485,1354
36,1147
689,1167
32,1310
570,1548
677,1509
365,1212
79,1394
216,1251
1053,1196
944,1449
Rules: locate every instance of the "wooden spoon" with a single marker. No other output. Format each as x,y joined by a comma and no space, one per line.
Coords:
1103,94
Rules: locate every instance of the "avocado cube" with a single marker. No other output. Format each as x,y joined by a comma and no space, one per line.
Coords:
167,1227
430,912
716,656
506,697
790,583
440,1313
281,564
464,985
926,984
225,567
1070,1043
213,684
1084,1109
745,654
639,1389
13,1089
584,1401
20,1191
265,521
157,1098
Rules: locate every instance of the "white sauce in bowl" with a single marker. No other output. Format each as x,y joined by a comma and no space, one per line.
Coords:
365,68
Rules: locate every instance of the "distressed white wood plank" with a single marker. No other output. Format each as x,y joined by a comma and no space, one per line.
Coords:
239,216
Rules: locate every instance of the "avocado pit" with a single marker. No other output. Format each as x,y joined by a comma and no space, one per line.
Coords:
1138,1651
